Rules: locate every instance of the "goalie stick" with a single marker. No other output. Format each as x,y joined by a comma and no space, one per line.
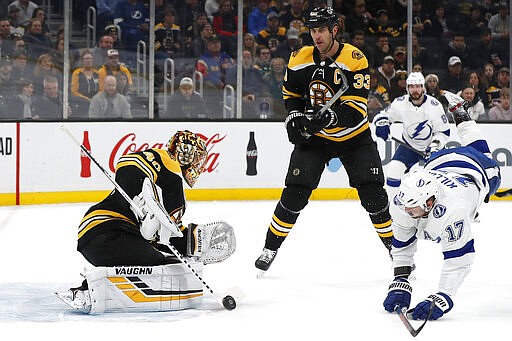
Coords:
408,325
227,301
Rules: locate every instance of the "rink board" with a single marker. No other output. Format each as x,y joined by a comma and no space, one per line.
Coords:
41,164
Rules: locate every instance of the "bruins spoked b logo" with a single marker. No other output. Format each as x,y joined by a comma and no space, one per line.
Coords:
319,93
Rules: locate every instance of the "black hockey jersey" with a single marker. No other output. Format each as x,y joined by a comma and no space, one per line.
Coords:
310,81
131,170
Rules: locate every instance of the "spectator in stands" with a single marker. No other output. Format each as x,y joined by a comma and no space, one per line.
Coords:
123,87
398,86
489,75
475,82
109,104
252,83
258,17
37,42
193,29
213,64
191,13
499,24
49,105
457,47
263,61
6,43
84,84
249,42
421,20
501,108
225,24
43,69
26,8
185,103
473,25
488,8
18,43
168,36
381,48
7,83
133,18
20,68
294,16
442,27
272,34
99,53
210,7
357,39
432,86
40,14
14,17
386,72
113,31
503,77
378,96
200,43
454,79
400,55
105,12
359,19
273,85
475,107
292,42
21,106
381,25
419,53
486,50
112,67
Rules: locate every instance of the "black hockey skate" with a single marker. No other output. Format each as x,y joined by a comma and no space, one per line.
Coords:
265,259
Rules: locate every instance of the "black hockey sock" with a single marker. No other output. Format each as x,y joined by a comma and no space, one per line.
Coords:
281,224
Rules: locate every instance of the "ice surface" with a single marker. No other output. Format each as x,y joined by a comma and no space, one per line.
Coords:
327,283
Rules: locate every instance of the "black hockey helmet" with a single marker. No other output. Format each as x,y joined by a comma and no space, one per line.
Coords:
322,17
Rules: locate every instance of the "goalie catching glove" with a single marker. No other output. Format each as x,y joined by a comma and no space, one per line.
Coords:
156,221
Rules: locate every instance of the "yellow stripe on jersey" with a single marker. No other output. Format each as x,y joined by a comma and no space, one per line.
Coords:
354,98
139,162
301,58
170,164
357,107
352,58
97,217
347,133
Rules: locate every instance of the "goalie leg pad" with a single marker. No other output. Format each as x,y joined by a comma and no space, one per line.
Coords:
144,288
211,242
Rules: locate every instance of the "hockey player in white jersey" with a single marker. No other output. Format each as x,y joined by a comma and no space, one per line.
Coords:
425,128
439,202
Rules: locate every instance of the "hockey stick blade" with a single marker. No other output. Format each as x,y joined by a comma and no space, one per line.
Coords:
408,324
504,193
402,143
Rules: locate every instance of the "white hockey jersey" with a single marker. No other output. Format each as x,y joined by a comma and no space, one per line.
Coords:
421,124
448,223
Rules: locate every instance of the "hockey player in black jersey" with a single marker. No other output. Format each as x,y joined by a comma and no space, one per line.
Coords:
314,75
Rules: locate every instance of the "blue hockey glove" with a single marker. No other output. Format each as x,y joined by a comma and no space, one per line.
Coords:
382,128
321,120
399,294
297,127
443,304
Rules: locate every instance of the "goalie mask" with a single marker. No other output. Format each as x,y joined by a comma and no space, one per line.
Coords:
189,150
416,189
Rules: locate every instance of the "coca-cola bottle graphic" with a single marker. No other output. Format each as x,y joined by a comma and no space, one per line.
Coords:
85,162
251,155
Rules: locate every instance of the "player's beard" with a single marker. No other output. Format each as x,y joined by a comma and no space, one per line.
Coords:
416,96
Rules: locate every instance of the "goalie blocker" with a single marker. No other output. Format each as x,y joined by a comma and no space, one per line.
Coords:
154,288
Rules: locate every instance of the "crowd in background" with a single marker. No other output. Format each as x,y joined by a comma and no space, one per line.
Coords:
460,46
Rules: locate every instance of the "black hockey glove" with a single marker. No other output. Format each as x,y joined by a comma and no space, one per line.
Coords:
298,127
322,120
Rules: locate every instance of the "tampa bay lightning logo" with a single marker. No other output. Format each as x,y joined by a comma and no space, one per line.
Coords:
421,131
439,211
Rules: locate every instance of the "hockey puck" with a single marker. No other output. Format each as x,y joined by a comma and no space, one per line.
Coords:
229,302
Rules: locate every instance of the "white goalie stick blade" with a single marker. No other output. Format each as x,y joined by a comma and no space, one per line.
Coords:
401,313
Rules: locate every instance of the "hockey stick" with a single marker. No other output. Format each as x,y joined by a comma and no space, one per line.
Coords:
402,143
408,325
227,301
337,95
505,193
